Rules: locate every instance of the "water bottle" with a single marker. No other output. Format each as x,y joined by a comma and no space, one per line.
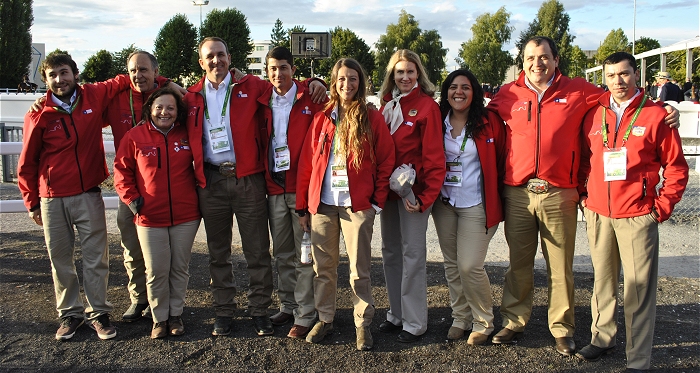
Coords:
306,249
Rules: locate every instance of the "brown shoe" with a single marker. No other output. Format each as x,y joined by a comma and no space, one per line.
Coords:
160,330
281,318
565,345
176,326
455,333
298,331
476,338
505,336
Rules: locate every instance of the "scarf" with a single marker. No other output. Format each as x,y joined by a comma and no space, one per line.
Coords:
392,110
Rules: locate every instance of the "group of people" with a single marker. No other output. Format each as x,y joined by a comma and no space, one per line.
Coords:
283,152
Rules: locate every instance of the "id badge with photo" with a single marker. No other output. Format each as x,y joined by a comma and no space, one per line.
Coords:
615,164
282,159
453,176
218,138
339,178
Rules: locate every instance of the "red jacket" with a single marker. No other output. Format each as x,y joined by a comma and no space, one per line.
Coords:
368,185
491,147
543,139
418,141
63,154
650,146
158,168
119,114
303,111
247,128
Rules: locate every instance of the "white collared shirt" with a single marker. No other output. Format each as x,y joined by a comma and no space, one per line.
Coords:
328,196
532,87
63,105
469,194
281,108
620,109
215,102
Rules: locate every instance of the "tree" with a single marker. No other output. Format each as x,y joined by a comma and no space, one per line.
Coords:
98,67
279,36
578,62
489,33
231,25
345,43
644,44
16,18
407,35
175,48
119,60
616,41
553,22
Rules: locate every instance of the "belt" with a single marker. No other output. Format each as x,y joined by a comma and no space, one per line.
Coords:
226,169
537,186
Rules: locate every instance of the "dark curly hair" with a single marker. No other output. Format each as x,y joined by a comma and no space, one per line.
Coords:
477,109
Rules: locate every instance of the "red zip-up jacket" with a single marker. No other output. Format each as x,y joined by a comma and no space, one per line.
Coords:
491,147
247,127
119,113
368,185
158,168
543,140
63,154
651,145
418,141
303,111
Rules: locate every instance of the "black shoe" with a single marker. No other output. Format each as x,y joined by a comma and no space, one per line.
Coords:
263,325
406,337
565,345
388,327
593,353
134,312
222,325
505,336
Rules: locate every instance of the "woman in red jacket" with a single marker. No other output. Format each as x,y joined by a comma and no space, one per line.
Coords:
470,208
414,121
154,176
342,181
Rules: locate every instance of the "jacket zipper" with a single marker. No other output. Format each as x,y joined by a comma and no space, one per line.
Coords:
75,149
170,192
65,128
537,148
644,188
571,172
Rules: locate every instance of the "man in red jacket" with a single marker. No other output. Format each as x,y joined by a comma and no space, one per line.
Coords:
625,144
60,169
543,110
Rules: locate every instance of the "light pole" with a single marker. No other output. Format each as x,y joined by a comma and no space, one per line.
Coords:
200,4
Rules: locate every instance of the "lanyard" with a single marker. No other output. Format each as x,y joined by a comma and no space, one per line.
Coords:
72,107
223,109
604,126
290,113
461,148
131,106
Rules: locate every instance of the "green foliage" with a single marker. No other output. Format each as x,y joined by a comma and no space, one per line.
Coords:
578,63
676,65
551,21
98,67
489,33
616,41
57,50
406,34
279,36
16,18
175,48
345,43
644,44
231,25
119,60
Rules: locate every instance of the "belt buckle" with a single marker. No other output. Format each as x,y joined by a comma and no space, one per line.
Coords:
227,169
537,186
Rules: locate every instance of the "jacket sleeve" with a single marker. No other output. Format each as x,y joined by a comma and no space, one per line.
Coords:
584,168
162,81
28,166
384,155
433,158
675,171
125,170
110,88
306,164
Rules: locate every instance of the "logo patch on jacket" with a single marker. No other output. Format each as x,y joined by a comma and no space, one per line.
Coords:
413,113
560,100
54,126
148,151
306,110
638,131
126,118
88,111
182,145
519,106
241,94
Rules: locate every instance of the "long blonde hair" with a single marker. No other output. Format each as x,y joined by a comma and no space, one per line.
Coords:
355,126
405,55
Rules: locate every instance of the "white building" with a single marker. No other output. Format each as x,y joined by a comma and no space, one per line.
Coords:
256,59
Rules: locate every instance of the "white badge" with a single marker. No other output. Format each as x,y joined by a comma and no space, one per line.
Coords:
453,176
218,137
615,164
282,159
339,178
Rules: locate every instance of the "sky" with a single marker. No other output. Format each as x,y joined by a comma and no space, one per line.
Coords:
82,27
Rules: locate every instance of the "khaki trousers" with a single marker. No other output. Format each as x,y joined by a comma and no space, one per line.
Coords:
357,228
245,198
86,212
552,216
133,257
295,281
404,254
167,252
634,244
464,241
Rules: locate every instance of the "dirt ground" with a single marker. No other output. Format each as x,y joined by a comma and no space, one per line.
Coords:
28,323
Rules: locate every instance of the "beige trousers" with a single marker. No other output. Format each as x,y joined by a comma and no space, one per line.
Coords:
133,256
